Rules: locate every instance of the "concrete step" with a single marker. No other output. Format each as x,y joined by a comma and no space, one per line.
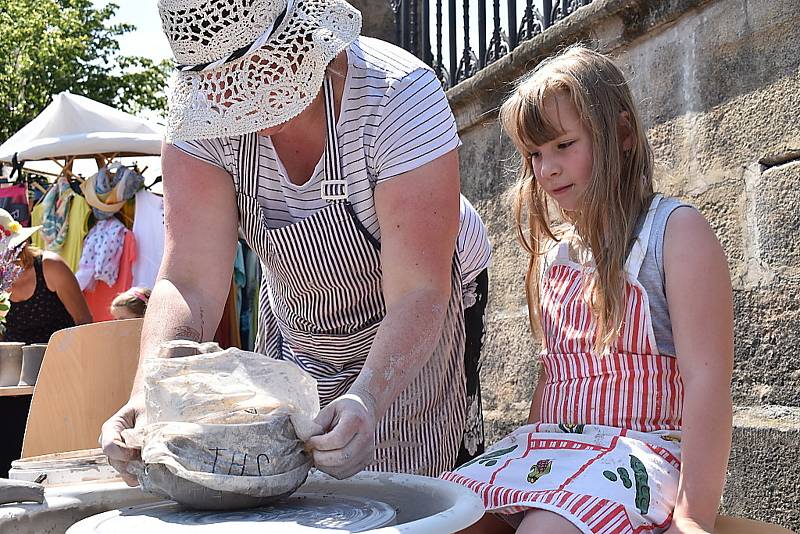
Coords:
764,469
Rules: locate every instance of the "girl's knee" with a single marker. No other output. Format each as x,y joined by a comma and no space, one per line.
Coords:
543,521
489,524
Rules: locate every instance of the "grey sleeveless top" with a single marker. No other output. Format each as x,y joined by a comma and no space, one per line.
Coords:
651,275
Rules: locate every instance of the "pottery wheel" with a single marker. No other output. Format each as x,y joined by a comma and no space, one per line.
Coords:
302,513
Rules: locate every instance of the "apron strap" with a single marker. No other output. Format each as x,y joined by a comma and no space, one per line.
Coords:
639,249
334,186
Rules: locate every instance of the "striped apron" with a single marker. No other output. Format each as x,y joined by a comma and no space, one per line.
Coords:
321,304
606,452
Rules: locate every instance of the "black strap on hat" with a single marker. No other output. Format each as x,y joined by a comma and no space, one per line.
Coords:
243,51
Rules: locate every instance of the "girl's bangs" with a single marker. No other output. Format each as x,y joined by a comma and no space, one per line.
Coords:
532,125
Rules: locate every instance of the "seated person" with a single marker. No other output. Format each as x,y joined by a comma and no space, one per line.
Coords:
46,296
130,304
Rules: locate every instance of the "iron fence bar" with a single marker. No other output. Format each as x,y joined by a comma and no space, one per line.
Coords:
481,33
466,67
398,31
512,24
441,72
404,22
413,27
528,18
451,6
414,33
427,55
531,24
496,37
547,15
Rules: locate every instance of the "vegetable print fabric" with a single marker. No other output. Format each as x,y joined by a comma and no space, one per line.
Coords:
602,479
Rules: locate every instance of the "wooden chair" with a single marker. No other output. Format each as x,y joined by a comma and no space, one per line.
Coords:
86,376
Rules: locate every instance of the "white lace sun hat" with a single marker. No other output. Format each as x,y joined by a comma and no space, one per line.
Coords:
246,65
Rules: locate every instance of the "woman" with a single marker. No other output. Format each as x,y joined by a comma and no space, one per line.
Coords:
336,155
46,296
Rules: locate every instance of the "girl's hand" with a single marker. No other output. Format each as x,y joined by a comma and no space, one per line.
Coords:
685,525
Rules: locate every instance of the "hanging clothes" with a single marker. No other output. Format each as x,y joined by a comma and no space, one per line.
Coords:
109,189
99,299
128,213
14,200
70,232
227,334
78,228
102,250
239,279
248,316
37,216
54,216
148,227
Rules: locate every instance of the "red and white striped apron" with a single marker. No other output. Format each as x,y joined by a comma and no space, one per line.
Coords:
606,452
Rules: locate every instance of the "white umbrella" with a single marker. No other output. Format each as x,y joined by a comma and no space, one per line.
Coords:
75,126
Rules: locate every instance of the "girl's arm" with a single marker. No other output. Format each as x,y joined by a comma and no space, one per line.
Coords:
536,400
700,302
59,278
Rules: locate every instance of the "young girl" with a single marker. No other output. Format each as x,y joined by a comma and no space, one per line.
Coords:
130,304
630,422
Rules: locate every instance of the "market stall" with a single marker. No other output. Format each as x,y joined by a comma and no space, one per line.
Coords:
75,169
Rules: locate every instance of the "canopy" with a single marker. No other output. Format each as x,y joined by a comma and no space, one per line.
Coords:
74,125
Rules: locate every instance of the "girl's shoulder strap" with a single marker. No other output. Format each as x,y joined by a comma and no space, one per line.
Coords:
555,252
633,264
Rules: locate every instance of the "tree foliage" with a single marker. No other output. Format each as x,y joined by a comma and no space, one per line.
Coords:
49,46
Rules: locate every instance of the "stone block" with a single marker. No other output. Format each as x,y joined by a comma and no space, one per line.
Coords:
764,466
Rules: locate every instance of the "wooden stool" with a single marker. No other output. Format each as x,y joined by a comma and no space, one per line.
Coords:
739,525
86,376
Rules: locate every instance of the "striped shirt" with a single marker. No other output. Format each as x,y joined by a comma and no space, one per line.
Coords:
394,118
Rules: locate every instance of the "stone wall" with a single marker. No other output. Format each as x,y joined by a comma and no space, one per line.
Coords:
377,17
719,89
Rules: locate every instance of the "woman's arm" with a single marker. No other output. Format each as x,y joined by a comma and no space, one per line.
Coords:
201,221
419,217
201,224
62,281
700,301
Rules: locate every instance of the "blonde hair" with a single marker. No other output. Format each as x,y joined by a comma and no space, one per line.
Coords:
27,255
620,187
134,300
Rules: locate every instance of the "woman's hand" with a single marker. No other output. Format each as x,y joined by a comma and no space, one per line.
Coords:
348,444
121,456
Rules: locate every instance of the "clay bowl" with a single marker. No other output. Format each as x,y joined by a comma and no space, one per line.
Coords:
227,467
10,362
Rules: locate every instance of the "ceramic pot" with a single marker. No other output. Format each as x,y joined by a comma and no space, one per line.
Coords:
32,356
10,362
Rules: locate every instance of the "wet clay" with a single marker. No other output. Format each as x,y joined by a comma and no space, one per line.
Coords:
222,427
20,491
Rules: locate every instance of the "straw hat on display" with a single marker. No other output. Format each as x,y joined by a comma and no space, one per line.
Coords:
247,65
